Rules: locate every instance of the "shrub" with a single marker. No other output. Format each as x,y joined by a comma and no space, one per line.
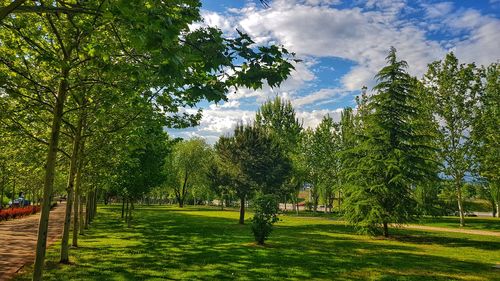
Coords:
266,210
13,213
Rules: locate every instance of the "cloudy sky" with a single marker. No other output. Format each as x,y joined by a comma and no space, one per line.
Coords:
342,45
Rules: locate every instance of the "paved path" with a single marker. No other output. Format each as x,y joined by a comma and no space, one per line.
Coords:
18,240
457,230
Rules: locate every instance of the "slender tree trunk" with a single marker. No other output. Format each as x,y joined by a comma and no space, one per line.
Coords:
72,196
48,184
94,205
386,229
126,212
82,216
123,207
13,190
78,198
78,193
87,213
129,224
340,194
242,210
460,203
1,191
76,222
498,210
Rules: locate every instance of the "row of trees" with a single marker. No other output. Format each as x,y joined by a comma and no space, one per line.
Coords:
86,88
405,150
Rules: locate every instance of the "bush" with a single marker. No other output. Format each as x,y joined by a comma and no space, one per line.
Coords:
266,214
13,213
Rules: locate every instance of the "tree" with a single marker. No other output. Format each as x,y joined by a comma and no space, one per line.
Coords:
254,162
187,167
326,147
266,208
277,118
129,47
485,136
391,159
455,88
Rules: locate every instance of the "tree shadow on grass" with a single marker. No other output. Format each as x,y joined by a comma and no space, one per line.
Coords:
172,245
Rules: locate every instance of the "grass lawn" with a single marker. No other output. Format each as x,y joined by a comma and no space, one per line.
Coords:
481,223
167,243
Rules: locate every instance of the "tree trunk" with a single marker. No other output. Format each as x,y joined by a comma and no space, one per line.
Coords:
73,167
340,194
48,184
126,212
498,210
242,210
123,207
386,230
87,213
460,203
94,204
13,190
129,224
2,190
81,214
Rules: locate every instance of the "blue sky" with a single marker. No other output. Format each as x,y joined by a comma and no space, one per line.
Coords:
342,45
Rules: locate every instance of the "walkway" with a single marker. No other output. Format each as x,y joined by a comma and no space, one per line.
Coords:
18,240
457,230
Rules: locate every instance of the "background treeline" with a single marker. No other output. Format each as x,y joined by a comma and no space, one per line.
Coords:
411,147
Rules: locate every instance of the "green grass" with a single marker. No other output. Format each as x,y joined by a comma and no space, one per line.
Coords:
167,243
480,223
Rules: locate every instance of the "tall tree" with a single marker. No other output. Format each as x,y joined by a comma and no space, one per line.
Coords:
486,136
455,87
187,166
277,117
390,154
254,162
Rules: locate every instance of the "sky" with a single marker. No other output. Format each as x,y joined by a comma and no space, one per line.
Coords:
342,45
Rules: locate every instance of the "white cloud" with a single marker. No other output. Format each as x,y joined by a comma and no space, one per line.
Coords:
321,95
311,119
438,10
316,29
483,46
363,37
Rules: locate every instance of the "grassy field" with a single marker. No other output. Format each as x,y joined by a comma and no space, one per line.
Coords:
480,223
167,243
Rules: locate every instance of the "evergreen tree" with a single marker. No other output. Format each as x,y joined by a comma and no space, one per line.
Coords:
391,158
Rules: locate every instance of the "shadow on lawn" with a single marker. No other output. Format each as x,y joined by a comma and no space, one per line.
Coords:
172,245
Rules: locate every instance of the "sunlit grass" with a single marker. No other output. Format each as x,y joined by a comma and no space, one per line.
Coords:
167,243
480,223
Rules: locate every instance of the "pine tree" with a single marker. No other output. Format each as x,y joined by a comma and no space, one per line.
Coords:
391,154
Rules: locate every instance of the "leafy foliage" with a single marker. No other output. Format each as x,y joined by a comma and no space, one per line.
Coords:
265,215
